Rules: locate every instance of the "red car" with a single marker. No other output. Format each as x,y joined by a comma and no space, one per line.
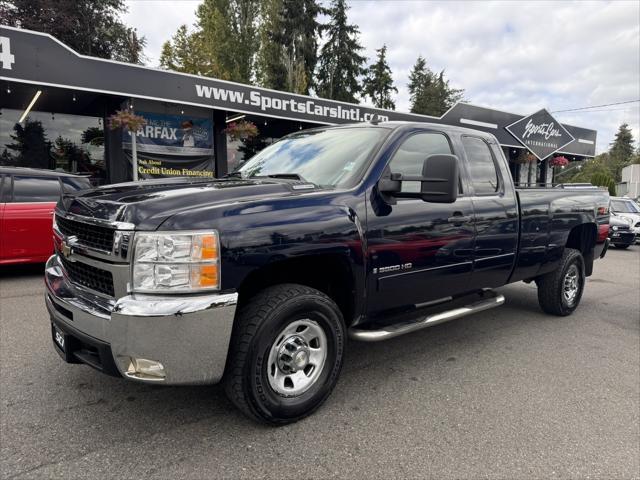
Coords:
27,199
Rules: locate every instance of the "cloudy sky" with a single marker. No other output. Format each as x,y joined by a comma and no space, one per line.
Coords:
515,56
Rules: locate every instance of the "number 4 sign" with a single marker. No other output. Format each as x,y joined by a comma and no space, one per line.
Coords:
6,58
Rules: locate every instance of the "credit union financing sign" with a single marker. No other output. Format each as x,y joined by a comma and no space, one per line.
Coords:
542,134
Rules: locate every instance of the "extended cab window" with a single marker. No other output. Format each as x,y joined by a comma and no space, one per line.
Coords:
409,158
36,189
482,168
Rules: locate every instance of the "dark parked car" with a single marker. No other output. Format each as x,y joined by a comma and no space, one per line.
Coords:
27,199
367,231
620,232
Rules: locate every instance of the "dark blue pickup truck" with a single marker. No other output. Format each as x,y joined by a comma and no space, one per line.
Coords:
256,280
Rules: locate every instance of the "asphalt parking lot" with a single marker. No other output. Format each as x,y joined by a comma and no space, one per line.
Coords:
508,393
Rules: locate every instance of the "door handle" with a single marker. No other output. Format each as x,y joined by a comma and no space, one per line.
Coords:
458,218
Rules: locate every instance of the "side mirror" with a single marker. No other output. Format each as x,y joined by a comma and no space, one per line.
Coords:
438,183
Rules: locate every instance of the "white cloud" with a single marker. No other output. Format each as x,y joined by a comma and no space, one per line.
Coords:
515,56
158,20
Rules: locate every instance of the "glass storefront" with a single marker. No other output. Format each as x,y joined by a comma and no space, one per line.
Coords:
56,141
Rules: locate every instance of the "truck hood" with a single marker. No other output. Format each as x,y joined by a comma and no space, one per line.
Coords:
147,204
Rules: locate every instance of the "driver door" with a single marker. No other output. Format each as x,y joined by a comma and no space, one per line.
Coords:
418,252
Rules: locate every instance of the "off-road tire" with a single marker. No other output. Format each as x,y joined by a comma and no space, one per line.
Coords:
255,329
551,285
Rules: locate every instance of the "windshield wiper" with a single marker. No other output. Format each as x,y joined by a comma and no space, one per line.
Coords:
233,175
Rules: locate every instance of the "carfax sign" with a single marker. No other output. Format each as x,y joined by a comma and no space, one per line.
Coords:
173,134
172,146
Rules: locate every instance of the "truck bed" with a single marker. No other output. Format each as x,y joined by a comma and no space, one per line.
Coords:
547,216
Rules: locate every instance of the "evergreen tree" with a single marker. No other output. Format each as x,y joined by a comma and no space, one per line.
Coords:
621,152
430,93
378,82
420,79
288,44
226,41
340,64
89,27
622,146
67,154
31,147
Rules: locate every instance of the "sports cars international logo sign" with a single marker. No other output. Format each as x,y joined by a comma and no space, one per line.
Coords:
542,134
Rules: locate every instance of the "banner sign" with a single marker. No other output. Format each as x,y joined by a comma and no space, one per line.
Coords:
39,59
172,146
173,135
542,134
158,166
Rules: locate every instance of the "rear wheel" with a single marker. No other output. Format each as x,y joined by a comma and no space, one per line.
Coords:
286,354
560,291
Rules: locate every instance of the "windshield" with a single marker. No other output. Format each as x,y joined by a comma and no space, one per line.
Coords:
622,206
328,158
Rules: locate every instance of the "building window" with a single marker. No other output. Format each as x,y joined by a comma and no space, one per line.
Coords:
55,141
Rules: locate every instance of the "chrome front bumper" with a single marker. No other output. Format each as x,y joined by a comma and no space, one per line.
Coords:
187,335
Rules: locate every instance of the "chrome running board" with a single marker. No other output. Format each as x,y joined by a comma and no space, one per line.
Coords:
490,299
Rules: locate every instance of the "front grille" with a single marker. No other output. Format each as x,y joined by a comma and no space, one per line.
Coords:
88,276
89,235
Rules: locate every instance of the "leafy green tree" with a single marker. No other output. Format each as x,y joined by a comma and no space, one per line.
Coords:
228,38
378,82
30,144
340,63
288,44
604,180
431,93
182,53
88,26
582,171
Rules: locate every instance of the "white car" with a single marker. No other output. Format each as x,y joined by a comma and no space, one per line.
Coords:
627,210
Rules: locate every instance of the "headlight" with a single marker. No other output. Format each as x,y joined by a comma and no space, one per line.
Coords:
176,262
614,228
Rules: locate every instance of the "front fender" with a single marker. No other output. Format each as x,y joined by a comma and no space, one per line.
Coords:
257,239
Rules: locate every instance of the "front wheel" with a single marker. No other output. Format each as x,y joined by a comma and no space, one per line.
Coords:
560,291
285,355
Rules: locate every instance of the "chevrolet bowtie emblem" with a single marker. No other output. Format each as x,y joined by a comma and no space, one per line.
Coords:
66,249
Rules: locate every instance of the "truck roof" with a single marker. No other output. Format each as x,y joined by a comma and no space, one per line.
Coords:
395,125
